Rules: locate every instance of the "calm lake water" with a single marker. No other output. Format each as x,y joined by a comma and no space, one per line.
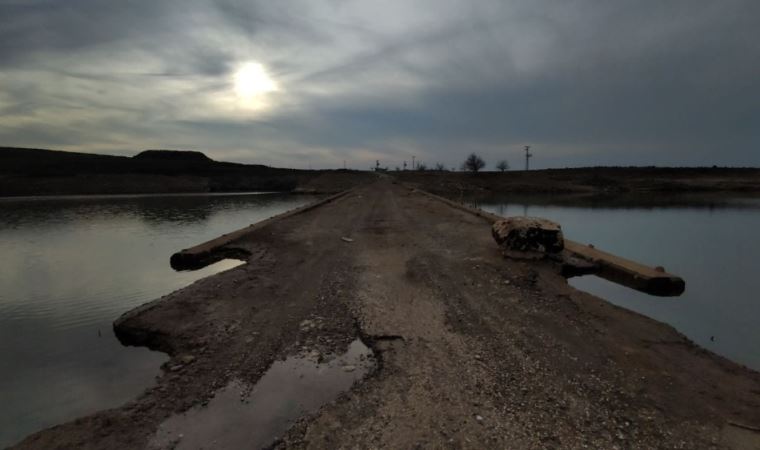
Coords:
714,245
69,267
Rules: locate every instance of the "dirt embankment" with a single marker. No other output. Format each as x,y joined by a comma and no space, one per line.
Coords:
588,181
474,351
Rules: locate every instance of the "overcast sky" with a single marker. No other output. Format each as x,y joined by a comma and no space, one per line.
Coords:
299,83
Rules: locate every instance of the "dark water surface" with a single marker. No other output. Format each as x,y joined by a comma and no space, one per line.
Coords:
69,266
714,244
242,416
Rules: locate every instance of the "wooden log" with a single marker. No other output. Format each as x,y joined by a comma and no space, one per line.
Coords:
605,265
628,273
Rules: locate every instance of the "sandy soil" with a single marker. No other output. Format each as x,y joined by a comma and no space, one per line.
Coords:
474,351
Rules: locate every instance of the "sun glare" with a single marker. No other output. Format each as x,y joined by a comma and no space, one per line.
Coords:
252,84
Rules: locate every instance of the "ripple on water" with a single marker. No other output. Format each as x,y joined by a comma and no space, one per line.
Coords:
243,417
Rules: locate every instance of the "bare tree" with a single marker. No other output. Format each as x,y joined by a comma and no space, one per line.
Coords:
473,163
440,167
421,167
502,165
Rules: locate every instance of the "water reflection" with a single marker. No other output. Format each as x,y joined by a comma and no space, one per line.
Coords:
157,209
241,416
69,267
708,201
712,245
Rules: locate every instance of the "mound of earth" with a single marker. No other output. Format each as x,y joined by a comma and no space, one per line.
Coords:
172,155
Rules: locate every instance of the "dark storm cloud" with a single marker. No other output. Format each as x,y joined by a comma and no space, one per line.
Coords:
33,26
585,82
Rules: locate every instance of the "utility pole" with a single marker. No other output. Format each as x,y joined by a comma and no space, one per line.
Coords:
413,162
528,155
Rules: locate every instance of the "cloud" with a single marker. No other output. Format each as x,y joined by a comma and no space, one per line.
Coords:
584,82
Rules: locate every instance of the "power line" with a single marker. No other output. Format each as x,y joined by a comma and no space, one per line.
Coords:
528,155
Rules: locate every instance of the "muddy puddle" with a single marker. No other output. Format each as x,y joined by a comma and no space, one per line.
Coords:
244,416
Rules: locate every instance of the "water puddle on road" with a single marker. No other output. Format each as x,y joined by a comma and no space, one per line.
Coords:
239,416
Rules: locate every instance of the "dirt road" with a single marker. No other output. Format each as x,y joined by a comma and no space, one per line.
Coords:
473,351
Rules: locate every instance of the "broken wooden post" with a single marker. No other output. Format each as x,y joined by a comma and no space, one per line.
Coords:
528,237
537,238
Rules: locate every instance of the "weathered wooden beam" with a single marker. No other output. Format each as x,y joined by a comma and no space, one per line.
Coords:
605,265
220,248
628,273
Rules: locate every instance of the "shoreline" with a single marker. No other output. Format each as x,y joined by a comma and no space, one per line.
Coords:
145,195
460,333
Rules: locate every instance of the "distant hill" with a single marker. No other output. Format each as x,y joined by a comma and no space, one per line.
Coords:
172,155
28,171
25,171
40,162
32,161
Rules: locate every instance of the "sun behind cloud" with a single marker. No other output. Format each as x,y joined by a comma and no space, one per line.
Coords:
253,84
